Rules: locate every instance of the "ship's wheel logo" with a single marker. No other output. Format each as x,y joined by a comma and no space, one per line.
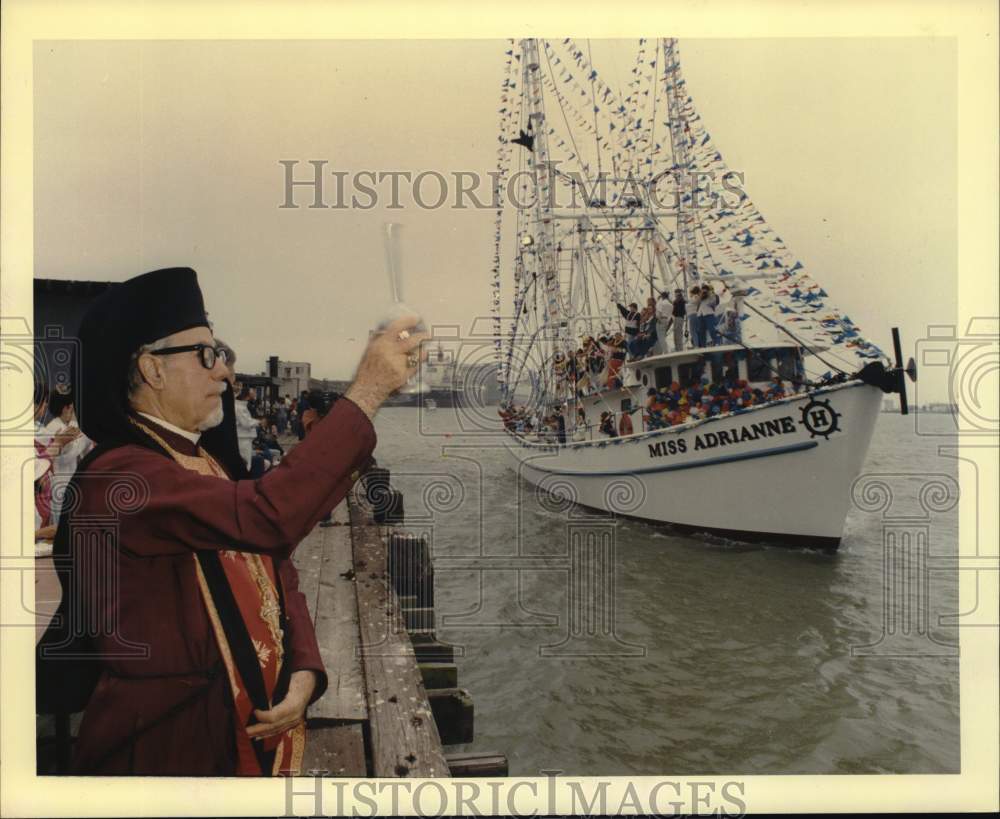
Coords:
820,419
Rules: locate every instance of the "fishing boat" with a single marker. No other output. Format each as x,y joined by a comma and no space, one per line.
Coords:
754,420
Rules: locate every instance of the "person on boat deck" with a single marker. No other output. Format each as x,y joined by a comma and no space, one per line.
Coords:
664,321
608,424
546,429
732,324
582,374
707,317
580,433
596,360
731,370
648,312
644,341
560,424
633,318
654,409
616,359
572,374
694,325
560,371
625,424
678,315
776,389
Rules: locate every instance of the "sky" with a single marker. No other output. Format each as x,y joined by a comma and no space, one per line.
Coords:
151,154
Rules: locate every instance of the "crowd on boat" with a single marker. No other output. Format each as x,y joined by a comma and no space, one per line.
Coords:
667,406
670,324
663,407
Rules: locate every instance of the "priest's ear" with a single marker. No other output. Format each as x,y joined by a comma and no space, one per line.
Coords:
151,370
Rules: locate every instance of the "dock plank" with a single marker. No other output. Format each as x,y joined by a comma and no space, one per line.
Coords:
307,559
404,737
337,627
335,750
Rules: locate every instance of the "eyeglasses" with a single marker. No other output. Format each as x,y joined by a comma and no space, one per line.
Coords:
206,352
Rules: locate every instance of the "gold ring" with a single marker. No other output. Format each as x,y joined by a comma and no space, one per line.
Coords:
412,361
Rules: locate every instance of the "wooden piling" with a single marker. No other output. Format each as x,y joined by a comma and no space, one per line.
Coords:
404,736
478,765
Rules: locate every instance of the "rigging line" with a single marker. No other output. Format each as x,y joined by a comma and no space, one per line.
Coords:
519,230
632,98
584,173
798,341
593,105
617,99
563,103
795,339
711,257
656,93
562,110
573,109
628,257
593,253
671,254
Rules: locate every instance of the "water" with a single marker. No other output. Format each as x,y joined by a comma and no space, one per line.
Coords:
722,658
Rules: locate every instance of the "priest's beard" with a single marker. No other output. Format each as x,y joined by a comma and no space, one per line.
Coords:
213,420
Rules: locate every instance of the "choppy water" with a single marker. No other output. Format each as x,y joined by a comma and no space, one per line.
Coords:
722,658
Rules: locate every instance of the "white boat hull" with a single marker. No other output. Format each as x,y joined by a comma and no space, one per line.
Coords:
780,473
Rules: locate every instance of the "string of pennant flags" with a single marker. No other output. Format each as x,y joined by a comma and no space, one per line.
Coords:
504,152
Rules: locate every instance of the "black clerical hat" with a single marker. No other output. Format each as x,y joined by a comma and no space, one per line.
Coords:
128,315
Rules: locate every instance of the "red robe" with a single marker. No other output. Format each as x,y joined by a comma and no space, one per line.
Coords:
165,704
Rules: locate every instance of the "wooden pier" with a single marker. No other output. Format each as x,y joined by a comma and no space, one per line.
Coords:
393,701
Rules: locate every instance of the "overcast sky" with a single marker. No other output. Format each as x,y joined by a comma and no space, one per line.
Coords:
161,153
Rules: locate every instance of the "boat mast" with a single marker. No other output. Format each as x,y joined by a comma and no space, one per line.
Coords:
679,136
544,179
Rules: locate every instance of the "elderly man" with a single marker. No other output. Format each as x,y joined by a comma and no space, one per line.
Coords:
182,630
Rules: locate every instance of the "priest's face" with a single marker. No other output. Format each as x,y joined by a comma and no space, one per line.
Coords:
192,395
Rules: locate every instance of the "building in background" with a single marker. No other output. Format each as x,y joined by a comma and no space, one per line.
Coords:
293,376
262,386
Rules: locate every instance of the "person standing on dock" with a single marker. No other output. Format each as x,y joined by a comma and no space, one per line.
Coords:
181,632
